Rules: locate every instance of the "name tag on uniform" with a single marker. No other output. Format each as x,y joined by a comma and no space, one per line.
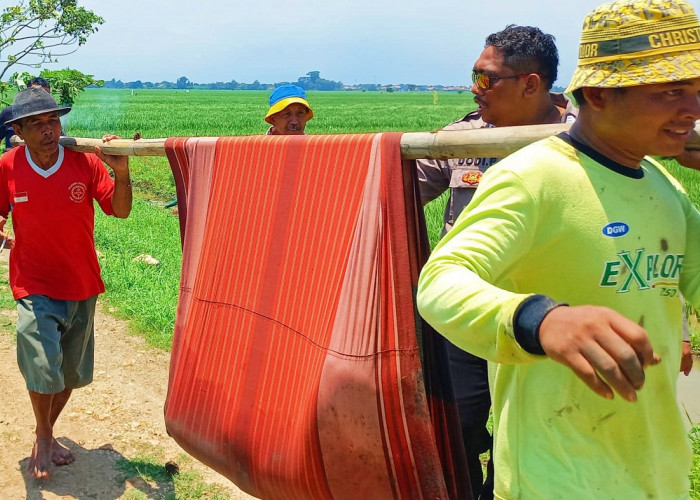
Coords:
21,197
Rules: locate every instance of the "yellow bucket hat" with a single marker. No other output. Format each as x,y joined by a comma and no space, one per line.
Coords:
283,96
638,42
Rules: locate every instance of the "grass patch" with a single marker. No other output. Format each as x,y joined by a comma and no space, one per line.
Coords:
7,302
690,180
694,435
169,113
152,178
150,480
144,294
694,328
434,217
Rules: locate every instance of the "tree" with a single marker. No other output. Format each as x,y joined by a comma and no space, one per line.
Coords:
313,81
68,83
182,83
138,84
114,84
21,80
35,32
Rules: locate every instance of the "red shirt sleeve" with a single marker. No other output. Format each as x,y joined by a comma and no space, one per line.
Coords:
102,184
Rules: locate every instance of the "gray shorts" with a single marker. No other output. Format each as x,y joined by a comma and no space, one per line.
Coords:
55,342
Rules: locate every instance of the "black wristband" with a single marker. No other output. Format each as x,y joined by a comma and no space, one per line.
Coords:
527,320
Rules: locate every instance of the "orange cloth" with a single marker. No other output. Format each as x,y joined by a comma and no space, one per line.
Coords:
296,369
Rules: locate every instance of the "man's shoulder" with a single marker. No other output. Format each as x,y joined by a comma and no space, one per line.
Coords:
548,157
79,157
650,164
470,121
8,156
13,161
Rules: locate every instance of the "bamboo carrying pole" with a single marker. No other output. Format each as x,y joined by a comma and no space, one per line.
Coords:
442,144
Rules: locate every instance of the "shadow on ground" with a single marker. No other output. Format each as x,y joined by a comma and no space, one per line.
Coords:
100,473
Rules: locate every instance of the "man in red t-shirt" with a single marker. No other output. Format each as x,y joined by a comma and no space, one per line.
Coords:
54,273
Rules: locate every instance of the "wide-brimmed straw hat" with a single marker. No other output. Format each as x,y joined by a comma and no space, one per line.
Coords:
283,96
34,101
638,42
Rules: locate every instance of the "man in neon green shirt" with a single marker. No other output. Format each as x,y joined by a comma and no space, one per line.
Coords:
566,268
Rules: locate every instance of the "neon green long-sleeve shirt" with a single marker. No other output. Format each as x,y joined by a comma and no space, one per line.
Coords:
552,220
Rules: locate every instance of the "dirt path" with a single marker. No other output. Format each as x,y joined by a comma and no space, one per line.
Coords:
120,415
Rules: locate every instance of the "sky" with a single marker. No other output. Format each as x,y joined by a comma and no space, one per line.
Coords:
359,41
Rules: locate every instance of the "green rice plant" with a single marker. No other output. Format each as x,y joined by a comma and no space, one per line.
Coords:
694,435
434,216
175,113
690,180
152,178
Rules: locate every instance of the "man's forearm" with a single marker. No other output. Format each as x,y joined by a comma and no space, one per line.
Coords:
122,197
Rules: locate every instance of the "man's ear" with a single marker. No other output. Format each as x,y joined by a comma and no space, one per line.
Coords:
596,97
18,130
533,82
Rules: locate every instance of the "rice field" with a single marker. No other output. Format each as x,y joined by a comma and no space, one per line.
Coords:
168,113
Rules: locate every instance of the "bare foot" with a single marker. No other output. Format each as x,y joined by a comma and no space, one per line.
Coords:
60,455
40,461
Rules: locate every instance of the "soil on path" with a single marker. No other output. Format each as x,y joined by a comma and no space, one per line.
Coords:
120,415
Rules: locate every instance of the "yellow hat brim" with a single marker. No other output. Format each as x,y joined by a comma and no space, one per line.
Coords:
660,68
280,105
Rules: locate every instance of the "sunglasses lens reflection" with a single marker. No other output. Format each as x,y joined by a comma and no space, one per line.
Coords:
481,80
484,81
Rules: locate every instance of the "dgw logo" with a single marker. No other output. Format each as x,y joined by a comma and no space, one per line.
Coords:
616,229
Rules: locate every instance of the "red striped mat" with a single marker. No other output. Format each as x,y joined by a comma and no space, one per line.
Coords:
296,363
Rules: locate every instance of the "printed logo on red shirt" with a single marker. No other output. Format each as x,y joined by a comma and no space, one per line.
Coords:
472,177
78,191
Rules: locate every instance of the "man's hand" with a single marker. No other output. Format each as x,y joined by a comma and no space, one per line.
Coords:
686,358
599,345
5,235
118,163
